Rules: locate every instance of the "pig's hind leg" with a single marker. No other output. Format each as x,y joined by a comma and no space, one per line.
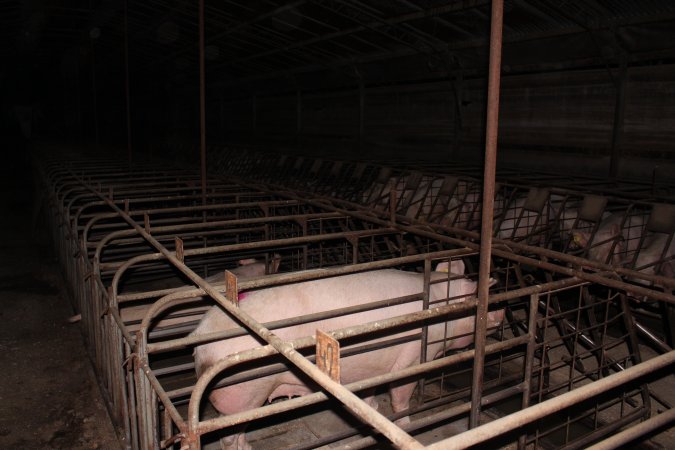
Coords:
400,400
238,398
401,393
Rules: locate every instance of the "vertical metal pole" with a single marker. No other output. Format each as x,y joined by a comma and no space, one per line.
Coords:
361,111
126,78
298,116
254,106
79,101
457,87
223,124
488,206
619,112
93,94
202,102
529,360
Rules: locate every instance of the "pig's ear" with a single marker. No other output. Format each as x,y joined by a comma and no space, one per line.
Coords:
493,281
247,261
274,263
580,238
456,267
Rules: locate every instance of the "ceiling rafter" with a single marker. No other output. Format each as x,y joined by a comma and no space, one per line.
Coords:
454,7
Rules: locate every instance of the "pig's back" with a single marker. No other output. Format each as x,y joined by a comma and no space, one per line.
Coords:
282,302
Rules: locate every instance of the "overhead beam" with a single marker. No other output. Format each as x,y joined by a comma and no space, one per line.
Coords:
431,12
476,43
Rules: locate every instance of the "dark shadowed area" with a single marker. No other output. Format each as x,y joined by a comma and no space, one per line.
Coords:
49,397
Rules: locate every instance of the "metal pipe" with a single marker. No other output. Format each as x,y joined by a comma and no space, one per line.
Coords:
416,370
634,432
537,412
652,338
488,207
439,417
351,401
177,298
126,79
202,102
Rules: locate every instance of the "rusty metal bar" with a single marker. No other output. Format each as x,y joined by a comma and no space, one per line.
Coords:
488,207
176,297
127,88
260,352
351,401
626,436
619,113
442,416
529,360
558,403
202,103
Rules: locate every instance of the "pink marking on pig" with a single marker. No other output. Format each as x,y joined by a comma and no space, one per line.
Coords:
242,295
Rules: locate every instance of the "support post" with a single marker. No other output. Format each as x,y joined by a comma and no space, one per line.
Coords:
457,87
298,109
361,111
619,110
202,102
126,80
488,206
94,98
254,106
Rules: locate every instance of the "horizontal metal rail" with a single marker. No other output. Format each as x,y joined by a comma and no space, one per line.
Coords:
521,418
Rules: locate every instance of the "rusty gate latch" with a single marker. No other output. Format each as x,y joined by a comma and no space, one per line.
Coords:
231,288
328,355
180,252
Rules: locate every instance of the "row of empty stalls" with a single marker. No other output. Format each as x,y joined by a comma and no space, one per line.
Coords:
579,351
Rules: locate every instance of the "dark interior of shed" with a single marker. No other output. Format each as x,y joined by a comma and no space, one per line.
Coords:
308,110
586,85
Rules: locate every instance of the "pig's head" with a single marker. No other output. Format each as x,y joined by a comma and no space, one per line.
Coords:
602,243
455,266
272,267
579,238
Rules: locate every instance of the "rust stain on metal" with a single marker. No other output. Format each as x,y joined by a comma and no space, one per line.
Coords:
231,286
328,355
180,252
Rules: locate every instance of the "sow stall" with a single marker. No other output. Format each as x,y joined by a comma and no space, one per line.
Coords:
140,245
624,224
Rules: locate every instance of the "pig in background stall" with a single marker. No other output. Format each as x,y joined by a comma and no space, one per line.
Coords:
246,268
633,239
321,295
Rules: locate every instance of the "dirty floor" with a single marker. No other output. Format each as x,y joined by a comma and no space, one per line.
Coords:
49,398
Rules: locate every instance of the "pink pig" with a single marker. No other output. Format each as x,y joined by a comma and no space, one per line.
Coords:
309,297
247,268
655,258
611,237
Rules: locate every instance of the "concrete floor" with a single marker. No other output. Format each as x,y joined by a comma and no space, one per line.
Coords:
49,398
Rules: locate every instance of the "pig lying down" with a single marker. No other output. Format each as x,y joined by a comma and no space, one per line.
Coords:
323,295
